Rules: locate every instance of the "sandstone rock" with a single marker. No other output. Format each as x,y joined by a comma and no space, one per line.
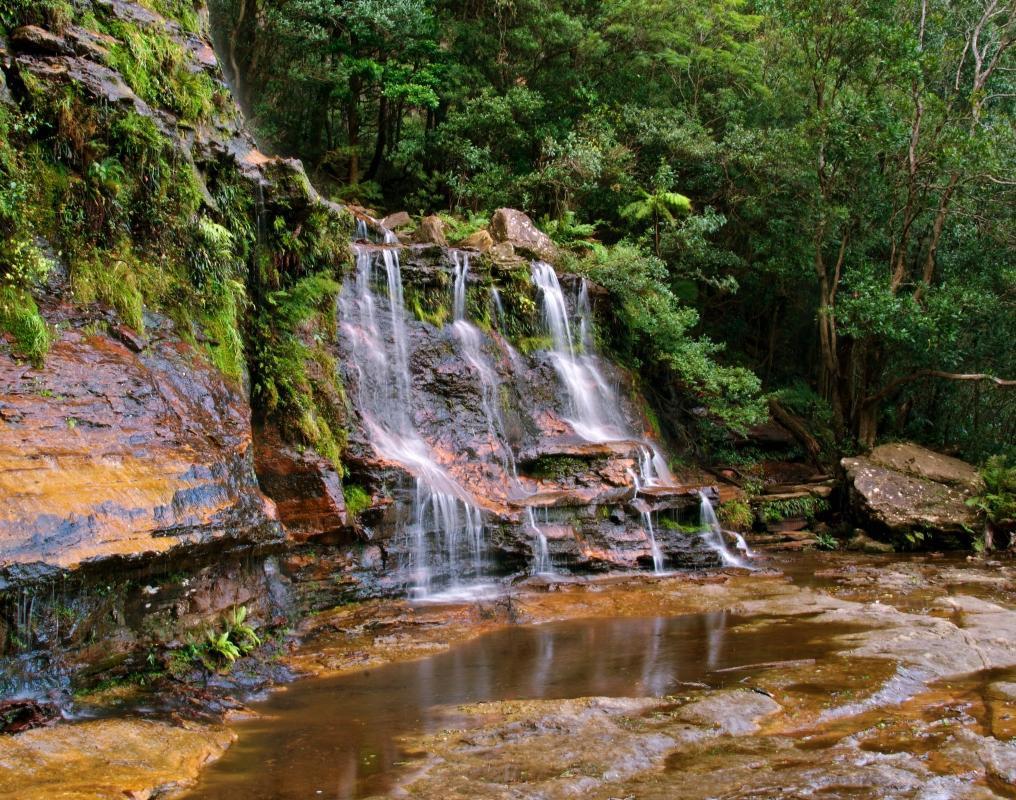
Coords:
503,251
919,462
33,39
109,452
891,490
431,231
862,543
304,486
400,219
478,240
113,758
515,227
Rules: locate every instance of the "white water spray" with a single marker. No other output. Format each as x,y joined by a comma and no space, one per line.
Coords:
713,533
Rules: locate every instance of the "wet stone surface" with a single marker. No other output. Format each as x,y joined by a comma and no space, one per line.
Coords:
821,682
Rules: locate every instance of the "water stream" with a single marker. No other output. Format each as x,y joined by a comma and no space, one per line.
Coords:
594,406
338,738
713,533
446,529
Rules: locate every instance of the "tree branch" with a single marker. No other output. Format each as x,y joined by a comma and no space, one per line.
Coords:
894,386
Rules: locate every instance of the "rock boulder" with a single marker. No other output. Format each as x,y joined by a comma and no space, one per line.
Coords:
431,231
516,228
904,488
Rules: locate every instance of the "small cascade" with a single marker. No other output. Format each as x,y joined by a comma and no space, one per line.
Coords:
471,346
647,525
713,533
447,526
594,405
362,233
499,314
742,545
542,564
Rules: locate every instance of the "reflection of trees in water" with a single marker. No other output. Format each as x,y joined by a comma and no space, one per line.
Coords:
340,735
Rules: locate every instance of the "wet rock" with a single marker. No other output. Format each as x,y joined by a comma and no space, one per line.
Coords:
860,542
516,228
33,39
431,231
901,489
478,240
503,252
107,759
735,713
17,716
111,452
305,488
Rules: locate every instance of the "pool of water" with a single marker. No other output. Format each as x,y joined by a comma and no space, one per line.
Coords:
339,737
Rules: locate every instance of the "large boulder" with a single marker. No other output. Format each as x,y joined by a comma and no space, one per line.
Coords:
516,228
431,231
901,489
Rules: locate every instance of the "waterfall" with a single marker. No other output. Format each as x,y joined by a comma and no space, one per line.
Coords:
447,525
647,525
361,230
470,340
713,533
594,404
542,564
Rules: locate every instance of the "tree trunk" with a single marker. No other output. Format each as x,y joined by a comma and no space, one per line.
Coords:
380,140
353,128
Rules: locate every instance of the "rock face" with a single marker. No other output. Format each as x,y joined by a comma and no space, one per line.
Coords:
516,228
305,487
111,452
900,489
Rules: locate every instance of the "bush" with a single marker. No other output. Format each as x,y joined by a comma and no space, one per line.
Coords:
20,317
996,503
655,331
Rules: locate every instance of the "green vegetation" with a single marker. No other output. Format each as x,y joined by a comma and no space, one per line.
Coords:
823,186
996,502
557,468
736,514
357,499
807,507
221,646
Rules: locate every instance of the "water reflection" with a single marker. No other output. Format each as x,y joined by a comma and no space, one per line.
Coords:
336,738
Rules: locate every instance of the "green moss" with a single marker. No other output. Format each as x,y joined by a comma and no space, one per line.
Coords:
20,317
110,279
528,345
294,381
357,499
156,67
557,467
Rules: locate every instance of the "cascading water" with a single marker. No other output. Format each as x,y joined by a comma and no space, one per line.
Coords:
447,525
470,340
647,525
594,406
713,533
542,564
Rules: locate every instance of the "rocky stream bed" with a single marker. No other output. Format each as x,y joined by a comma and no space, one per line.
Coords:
823,675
